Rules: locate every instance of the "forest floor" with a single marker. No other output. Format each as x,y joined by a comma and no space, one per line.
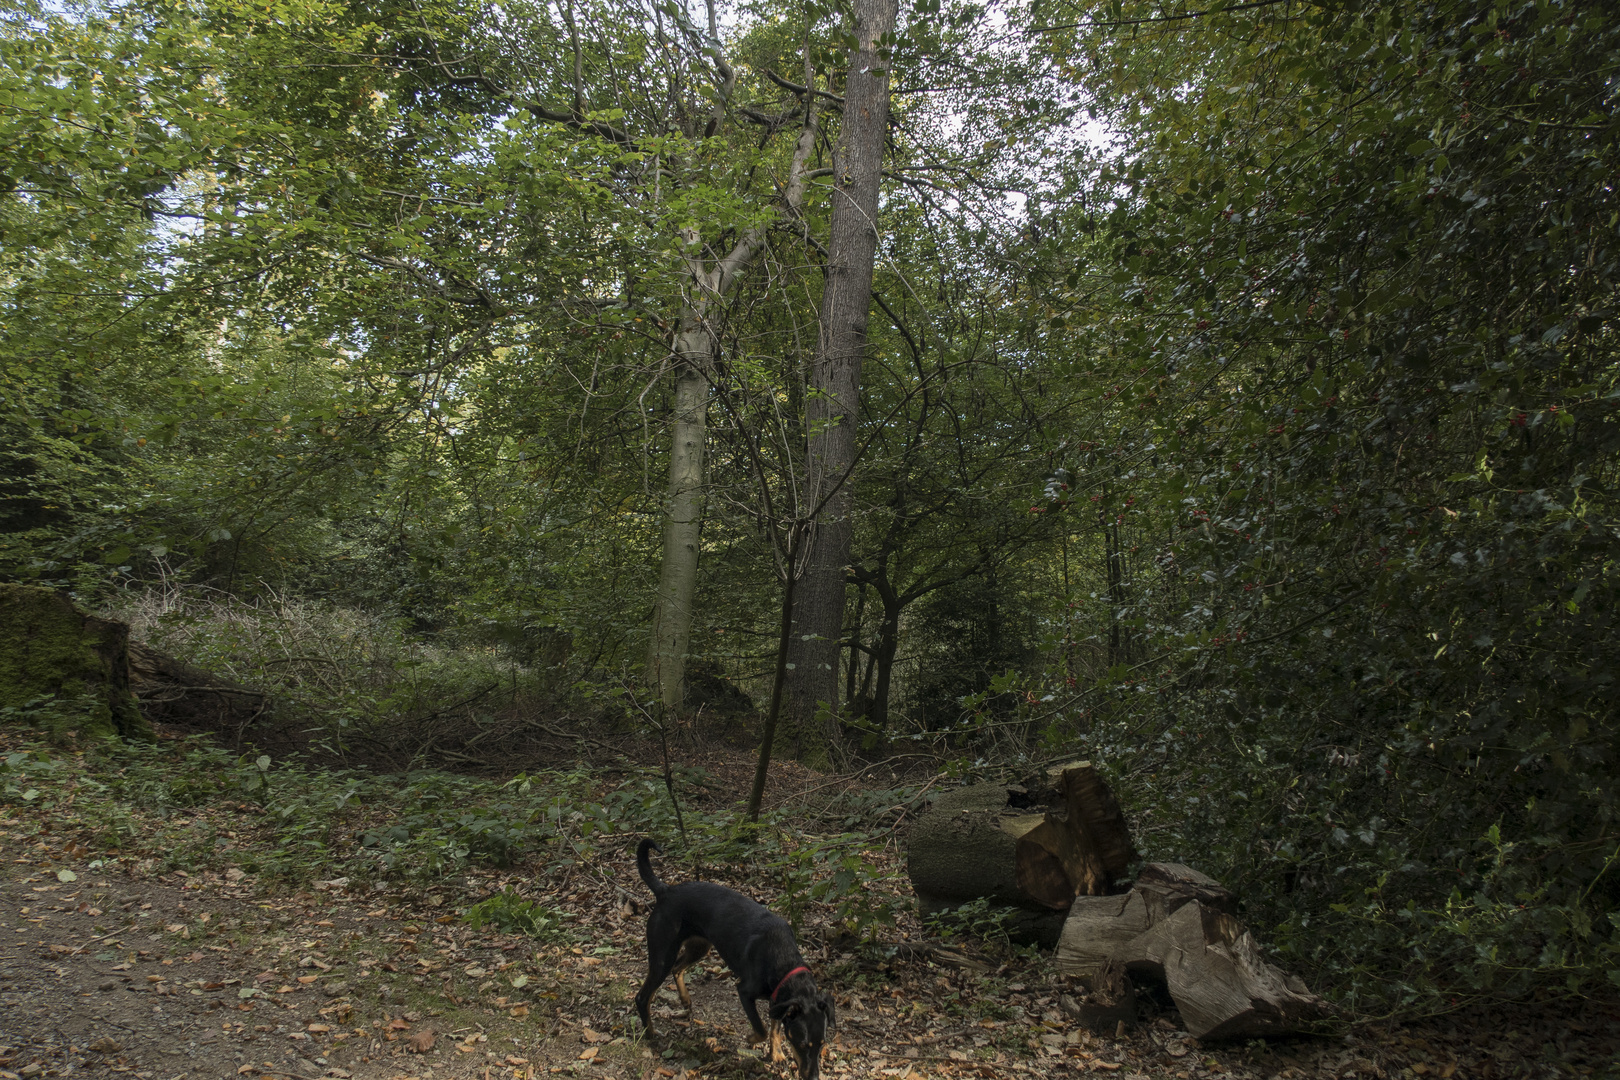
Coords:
115,967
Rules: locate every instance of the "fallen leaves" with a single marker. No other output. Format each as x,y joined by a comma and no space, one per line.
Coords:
422,1041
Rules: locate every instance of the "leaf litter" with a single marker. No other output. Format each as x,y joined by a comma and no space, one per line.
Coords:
113,967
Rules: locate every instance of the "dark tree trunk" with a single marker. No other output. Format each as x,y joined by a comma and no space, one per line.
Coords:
888,644
830,412
1118,644
852,669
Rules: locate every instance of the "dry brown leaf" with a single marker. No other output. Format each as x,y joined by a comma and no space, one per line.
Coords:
398,1023
589,1053
421,1042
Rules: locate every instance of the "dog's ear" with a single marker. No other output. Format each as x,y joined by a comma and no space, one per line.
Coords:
825,1000
785,1010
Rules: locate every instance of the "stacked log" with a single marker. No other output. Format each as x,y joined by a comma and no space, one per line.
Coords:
1079,847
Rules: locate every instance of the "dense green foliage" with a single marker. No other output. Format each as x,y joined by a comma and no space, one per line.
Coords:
1369,262
1240,405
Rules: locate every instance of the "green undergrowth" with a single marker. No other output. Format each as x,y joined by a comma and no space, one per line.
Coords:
188,806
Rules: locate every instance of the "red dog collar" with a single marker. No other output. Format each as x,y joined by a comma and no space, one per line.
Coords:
785,978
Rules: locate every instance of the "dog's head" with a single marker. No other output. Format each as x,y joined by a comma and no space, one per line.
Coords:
808,1020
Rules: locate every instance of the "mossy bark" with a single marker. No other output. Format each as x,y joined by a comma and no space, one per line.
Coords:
51,649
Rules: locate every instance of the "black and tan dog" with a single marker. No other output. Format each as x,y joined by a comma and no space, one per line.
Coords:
758,947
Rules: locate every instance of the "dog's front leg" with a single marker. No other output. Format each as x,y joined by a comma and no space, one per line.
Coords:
754,1022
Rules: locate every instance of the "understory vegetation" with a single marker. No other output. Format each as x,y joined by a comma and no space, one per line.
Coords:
1239,409
192,807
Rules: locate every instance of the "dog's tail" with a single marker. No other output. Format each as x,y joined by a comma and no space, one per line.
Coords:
644,864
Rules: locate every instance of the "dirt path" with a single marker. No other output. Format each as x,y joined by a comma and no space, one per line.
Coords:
104,975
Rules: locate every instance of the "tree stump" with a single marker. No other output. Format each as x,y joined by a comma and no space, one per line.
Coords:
1177,924
50,648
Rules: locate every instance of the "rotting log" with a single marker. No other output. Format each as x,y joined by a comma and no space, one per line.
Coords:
174,692
1177,925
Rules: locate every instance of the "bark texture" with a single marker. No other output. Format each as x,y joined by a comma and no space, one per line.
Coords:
683,514
835,380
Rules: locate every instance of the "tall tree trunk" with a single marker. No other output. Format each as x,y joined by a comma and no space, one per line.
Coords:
683,514
830,412
694,347
852,668
888,643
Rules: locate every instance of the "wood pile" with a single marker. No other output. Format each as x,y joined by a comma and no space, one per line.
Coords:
1057,851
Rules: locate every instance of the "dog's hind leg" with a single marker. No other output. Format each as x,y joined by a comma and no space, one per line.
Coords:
663,951
693,949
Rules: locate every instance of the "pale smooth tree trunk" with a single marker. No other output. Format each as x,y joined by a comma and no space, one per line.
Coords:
835,381
710,281
683,516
